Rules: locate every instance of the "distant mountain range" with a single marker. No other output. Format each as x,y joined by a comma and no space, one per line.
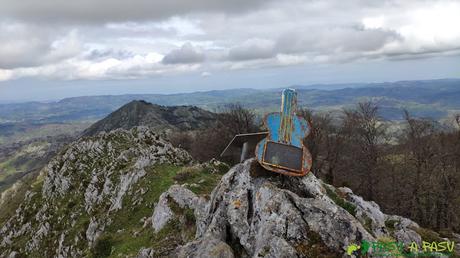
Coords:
432,98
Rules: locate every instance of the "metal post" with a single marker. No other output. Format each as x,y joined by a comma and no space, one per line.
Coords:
244,151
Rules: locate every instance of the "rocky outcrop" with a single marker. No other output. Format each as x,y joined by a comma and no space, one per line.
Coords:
368,213
76,195
186,199
127,193
255,213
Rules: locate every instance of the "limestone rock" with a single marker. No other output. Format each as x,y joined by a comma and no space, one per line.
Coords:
84,186
206,248
404,229
250,213
367,212
145,253
255,213
162,213
185,199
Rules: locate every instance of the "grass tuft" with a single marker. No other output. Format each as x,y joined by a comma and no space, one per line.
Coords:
348,206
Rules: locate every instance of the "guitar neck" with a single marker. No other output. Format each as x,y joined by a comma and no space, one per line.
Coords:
288,108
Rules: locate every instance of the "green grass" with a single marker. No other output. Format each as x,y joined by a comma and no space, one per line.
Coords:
13,201
22,160
351,208
51,129
34,185
200,181
6,169
314,247
119,236
428,235
125,236
391,225
431,236
368,224
127,221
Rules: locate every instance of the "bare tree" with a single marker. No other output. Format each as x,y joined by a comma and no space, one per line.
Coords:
208,143
445,184
325,143
365,132
237,119
419,154
417,174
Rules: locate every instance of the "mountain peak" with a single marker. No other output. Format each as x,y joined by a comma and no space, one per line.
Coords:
142,113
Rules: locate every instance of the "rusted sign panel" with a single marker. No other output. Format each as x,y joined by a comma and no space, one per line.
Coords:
283,151
242,146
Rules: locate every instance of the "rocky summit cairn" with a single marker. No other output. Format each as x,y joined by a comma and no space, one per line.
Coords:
254,213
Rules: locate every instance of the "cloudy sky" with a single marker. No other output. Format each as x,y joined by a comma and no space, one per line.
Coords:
52,48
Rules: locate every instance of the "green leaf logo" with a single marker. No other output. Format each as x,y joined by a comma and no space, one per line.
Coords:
365,246
351,248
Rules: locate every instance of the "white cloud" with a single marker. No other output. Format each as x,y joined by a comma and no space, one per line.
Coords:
374,22
5,75
206,74
433,27
286,59
154,38
182,27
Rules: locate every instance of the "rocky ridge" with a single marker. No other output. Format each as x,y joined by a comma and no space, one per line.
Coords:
129,193
254,214
80,191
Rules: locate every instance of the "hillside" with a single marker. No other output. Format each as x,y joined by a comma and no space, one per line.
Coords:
141,113
97,187
433,98
27,157
22,158
131,194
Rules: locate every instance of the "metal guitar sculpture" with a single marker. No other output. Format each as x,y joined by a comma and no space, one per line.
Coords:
283,151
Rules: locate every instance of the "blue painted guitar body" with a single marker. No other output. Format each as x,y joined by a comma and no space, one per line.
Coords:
286,131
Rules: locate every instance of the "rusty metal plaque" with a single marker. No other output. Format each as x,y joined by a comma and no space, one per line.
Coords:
283,156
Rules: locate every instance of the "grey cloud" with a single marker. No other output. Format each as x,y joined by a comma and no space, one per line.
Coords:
138,33
187,54
22,53
28,45
252,49
424,53
330,40
117,10
351,42
361,40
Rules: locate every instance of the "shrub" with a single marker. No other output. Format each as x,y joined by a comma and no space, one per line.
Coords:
103,247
